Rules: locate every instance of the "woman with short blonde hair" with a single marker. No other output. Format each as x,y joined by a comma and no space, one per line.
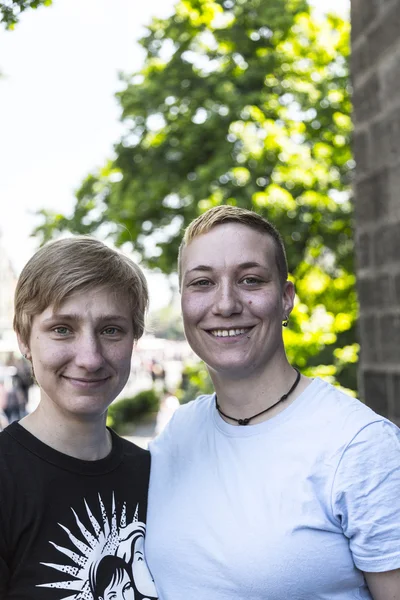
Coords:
65,506
276,486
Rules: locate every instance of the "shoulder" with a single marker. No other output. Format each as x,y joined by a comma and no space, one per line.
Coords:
14,467
365,446
186,420
192,411
200,406
335,412
374,449
326,421
129,449
9,438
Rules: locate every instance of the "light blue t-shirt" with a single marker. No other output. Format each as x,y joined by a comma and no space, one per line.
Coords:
292,508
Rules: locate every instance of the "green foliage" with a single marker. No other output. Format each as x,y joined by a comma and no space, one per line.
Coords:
126,412
11,10
245,102
195,381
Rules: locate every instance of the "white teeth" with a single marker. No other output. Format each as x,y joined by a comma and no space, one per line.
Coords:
227,332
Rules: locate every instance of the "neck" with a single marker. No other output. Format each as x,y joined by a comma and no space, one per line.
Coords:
241,399
261,413
80,438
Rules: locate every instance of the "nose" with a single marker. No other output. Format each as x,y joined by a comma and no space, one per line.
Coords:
88,354
227,300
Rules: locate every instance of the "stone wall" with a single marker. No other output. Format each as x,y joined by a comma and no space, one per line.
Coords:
376,96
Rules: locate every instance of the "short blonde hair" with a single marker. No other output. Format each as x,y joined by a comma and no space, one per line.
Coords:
225,213
77,264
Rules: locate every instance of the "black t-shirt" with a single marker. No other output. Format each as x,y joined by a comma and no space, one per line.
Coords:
69,528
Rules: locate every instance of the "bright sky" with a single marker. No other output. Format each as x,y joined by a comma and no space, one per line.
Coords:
58,115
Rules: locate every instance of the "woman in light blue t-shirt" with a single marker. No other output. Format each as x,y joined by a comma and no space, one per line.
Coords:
276,486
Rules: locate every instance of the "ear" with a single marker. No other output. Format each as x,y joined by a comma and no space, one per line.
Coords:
23,347
288,296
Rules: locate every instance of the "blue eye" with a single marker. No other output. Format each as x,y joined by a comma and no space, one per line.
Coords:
111,330
251,280
61,330
201,283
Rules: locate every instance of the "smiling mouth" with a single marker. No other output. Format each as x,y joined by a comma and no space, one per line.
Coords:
85,381
229,332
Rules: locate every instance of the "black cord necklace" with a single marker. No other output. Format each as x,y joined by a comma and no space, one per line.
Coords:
247,420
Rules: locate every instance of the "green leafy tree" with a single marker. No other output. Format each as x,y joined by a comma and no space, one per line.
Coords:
11,10
243,102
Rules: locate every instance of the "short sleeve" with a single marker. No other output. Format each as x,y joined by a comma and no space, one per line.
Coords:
366,496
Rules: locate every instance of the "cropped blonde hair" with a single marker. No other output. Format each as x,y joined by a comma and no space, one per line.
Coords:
225,213
77,264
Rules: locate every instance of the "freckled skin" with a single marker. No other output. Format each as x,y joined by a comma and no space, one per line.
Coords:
222,294
82,363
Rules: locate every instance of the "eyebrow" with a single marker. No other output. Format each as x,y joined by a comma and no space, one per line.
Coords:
76,317
241,266
200,268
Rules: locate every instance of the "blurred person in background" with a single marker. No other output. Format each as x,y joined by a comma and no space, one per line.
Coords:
15,406
25,381
3,420
3,403
18,393
276,486
65,506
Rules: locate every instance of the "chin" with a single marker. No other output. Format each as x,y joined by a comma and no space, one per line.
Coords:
230,369
89,406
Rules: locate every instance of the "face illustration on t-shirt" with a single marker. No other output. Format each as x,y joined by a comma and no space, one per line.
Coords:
116,583
120,589
105,558
123,589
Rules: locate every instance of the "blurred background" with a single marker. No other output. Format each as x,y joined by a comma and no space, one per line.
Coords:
126,120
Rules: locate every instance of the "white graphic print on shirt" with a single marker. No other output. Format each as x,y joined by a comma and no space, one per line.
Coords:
105,558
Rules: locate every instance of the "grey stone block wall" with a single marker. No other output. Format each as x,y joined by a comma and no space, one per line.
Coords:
375,67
